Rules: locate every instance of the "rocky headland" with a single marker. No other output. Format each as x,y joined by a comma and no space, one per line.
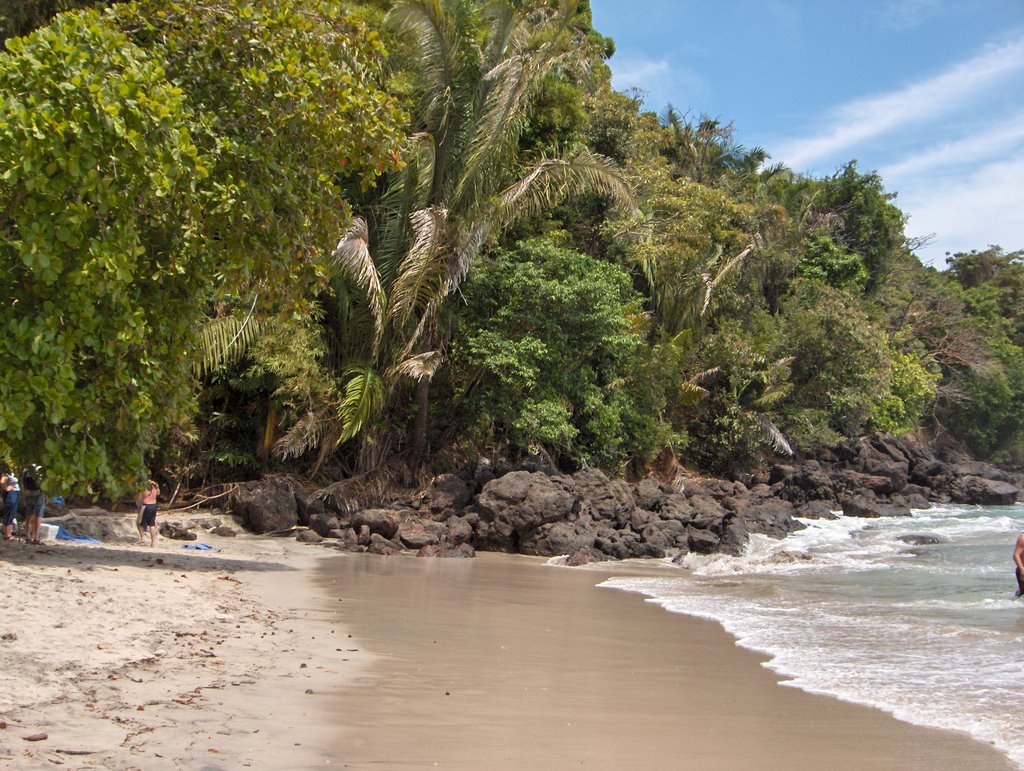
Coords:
531,508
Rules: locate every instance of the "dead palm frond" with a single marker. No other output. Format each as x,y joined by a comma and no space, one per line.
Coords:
353,257
772,437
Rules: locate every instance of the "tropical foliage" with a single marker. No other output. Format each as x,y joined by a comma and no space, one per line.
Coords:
239,236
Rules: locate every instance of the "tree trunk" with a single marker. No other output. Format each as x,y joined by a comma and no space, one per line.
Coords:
419,430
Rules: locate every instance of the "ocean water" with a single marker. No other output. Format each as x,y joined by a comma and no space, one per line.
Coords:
930,633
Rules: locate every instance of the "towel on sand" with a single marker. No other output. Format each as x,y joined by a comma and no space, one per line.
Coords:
64,535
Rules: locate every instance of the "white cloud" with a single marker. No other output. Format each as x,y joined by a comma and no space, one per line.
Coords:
871,117
638,73
1000,139
982,208
660,80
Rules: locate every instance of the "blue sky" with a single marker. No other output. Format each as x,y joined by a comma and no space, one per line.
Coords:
929,93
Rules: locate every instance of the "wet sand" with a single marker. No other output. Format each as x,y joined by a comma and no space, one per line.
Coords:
505,662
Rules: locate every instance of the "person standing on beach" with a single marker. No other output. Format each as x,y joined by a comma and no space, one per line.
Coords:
1018,560
146,501
34,503
11,491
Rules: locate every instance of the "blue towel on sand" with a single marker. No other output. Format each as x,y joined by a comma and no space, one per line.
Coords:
199,547
64,535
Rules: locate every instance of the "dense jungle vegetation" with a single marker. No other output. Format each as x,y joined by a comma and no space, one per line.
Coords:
384,238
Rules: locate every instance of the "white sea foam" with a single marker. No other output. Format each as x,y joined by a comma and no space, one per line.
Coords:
930,633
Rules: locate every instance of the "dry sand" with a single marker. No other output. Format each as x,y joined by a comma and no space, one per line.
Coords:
508,663
130,657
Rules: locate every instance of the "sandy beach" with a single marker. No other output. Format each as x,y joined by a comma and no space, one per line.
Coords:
129,657
271,654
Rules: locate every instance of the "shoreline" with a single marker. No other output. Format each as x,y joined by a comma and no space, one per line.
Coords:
270,654
127,657
507,662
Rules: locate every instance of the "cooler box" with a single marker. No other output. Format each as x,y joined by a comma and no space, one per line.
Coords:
48,532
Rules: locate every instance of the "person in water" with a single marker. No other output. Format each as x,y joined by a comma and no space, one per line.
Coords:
1018,559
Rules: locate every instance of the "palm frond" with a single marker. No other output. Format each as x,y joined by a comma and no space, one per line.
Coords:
418,279
353,257
408,190
225,340
724,272
306,434
435,33
363,401
772,437
709,375
422,366
553,179
497,126
690,393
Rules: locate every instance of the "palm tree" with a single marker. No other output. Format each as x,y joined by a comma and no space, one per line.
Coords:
464,182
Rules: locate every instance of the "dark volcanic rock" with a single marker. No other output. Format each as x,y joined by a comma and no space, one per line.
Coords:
650,494
447,492
920,539
862,506
382,522
604,499
855,482
734,536
308,536
462,551
382,546
557,538
702,541
513,506
265,506
308,507
816,510
584,557
772,518
323,522
415,535
984,492
176,531
879,455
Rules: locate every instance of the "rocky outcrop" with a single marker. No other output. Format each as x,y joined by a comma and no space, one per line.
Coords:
266,506
531,508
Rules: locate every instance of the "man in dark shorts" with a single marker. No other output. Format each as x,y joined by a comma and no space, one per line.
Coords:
1018,560
146,501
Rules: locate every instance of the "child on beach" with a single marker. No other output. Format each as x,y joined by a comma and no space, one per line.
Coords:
11,490
146,501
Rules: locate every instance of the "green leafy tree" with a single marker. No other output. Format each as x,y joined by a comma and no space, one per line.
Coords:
99,248
155,159
863,220
824,260
841,361
987,410
544,356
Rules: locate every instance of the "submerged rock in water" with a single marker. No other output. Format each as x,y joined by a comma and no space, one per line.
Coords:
920,539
